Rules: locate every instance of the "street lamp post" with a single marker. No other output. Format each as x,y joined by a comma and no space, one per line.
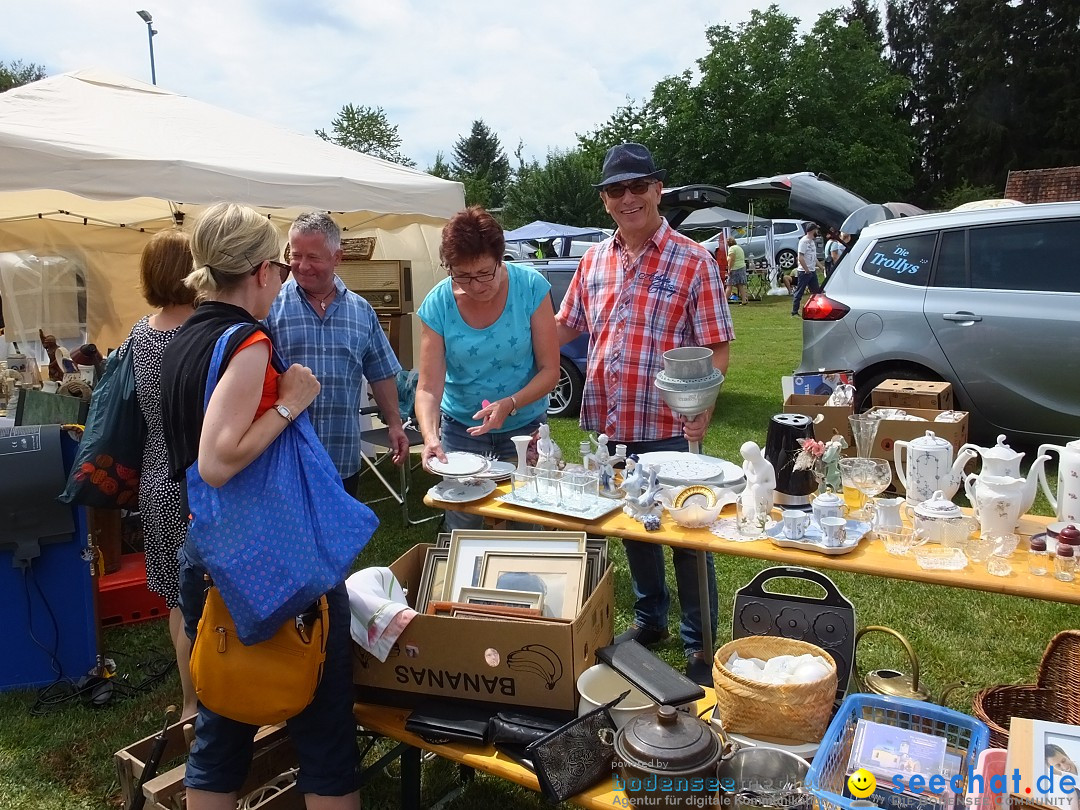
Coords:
146,18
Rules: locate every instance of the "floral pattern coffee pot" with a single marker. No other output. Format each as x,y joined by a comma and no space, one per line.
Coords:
1001,461
930,467
1067,502
996,500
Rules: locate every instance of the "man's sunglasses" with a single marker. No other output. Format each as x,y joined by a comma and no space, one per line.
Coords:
636,187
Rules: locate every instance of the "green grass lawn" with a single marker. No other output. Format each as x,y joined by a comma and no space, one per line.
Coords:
63,761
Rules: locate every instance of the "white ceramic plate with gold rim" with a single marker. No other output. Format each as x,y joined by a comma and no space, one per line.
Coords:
459,464
454,491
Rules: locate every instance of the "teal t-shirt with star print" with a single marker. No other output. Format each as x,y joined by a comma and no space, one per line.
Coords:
489,363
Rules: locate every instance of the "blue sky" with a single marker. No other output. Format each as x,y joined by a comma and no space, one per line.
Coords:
536,72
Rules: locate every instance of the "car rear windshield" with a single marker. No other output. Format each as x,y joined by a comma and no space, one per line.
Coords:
906,259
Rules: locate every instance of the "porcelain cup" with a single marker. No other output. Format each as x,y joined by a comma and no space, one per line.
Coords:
795,523
833,531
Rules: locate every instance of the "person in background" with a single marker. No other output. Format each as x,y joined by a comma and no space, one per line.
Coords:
642,292
165,263
488,351
237,277
834,249
807,277
320,324
720,254
736,262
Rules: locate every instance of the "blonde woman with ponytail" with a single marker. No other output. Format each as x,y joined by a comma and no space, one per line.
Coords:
236,276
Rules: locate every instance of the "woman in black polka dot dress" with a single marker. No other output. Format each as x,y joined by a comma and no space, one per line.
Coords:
166,261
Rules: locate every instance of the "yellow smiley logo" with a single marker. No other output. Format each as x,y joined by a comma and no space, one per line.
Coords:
861,783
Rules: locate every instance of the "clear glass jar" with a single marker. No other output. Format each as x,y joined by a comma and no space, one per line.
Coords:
1038,559
1065,563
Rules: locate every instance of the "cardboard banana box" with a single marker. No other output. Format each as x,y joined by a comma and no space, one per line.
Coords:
529,664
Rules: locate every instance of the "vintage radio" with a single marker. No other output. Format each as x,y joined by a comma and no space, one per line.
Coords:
385,283
398,329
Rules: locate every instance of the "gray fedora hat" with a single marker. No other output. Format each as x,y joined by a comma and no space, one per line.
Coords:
628,161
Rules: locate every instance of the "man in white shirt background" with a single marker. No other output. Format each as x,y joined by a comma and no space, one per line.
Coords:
807,277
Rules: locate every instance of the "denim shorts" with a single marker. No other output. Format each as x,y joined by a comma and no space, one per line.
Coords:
323,734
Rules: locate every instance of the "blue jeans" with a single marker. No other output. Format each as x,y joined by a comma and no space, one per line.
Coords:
646,561
802,282
455,437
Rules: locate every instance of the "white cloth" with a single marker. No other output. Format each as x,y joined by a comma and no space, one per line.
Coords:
379,612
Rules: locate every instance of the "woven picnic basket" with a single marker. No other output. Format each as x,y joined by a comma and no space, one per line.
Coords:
795,712
1054,696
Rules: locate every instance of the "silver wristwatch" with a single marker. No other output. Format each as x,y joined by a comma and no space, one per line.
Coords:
284,411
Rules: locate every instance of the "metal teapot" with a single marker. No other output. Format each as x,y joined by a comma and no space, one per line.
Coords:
893,683
1001,461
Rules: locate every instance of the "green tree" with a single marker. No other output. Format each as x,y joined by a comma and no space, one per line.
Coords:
559,191
440,168
367,130
480,163
16,72
965,193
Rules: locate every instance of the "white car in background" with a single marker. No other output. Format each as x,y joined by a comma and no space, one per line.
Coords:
786,236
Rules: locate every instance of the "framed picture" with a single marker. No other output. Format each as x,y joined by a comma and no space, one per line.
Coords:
432,578
442,540
560,577
1055,755
467,550
502,598
437,608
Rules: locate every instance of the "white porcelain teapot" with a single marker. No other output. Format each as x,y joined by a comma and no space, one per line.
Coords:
1067,502
930,467
996,500
1001,461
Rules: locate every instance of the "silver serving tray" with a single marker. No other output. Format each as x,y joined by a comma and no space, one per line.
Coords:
597,508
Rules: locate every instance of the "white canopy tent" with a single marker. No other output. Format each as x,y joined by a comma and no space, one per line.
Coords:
92,164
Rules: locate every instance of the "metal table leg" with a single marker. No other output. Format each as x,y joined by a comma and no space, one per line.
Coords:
410,778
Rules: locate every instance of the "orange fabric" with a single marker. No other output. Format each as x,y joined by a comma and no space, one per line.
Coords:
270,388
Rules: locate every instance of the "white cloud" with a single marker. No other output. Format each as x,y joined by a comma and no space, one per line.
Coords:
537,72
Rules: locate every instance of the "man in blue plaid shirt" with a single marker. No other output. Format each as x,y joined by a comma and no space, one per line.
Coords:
317,322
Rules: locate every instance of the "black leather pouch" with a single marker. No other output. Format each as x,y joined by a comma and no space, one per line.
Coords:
507,728
440,723
576,756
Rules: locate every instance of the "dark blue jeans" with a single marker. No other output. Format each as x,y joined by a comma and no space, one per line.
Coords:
647,577
803,282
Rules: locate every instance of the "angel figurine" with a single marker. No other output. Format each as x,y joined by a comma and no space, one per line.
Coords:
548,454
757,498
834,447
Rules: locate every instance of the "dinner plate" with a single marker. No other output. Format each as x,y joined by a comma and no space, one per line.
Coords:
459,464
677,467
498,471
461,491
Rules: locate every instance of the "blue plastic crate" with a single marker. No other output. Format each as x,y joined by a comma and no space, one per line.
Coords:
827,778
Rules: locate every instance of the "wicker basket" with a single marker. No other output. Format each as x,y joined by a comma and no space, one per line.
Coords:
795,712
1055,696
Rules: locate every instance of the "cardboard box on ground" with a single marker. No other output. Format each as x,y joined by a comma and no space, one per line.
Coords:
923,394
894,430
527,664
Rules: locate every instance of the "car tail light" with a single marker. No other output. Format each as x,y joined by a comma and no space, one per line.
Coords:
822,308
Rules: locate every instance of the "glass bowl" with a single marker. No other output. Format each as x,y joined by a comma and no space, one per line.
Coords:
940,558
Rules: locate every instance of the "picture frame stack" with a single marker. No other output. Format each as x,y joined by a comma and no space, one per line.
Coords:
524,576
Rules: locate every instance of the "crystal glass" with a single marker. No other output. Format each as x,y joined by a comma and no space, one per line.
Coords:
981,547
548,486
870,476
900,541
523,485
579,489
864,428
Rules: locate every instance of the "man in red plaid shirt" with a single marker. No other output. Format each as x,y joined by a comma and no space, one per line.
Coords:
644,291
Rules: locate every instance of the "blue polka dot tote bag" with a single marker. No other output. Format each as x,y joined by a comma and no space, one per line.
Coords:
281,532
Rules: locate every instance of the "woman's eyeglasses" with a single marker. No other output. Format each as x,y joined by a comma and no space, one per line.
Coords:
479,277
635,187
282,268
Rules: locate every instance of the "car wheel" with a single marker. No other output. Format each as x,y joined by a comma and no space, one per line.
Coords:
864,387
786,259
565,400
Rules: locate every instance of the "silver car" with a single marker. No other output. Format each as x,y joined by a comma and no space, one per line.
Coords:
988,300
786,236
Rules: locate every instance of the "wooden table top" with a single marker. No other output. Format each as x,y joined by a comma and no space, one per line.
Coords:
390,722
869,557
